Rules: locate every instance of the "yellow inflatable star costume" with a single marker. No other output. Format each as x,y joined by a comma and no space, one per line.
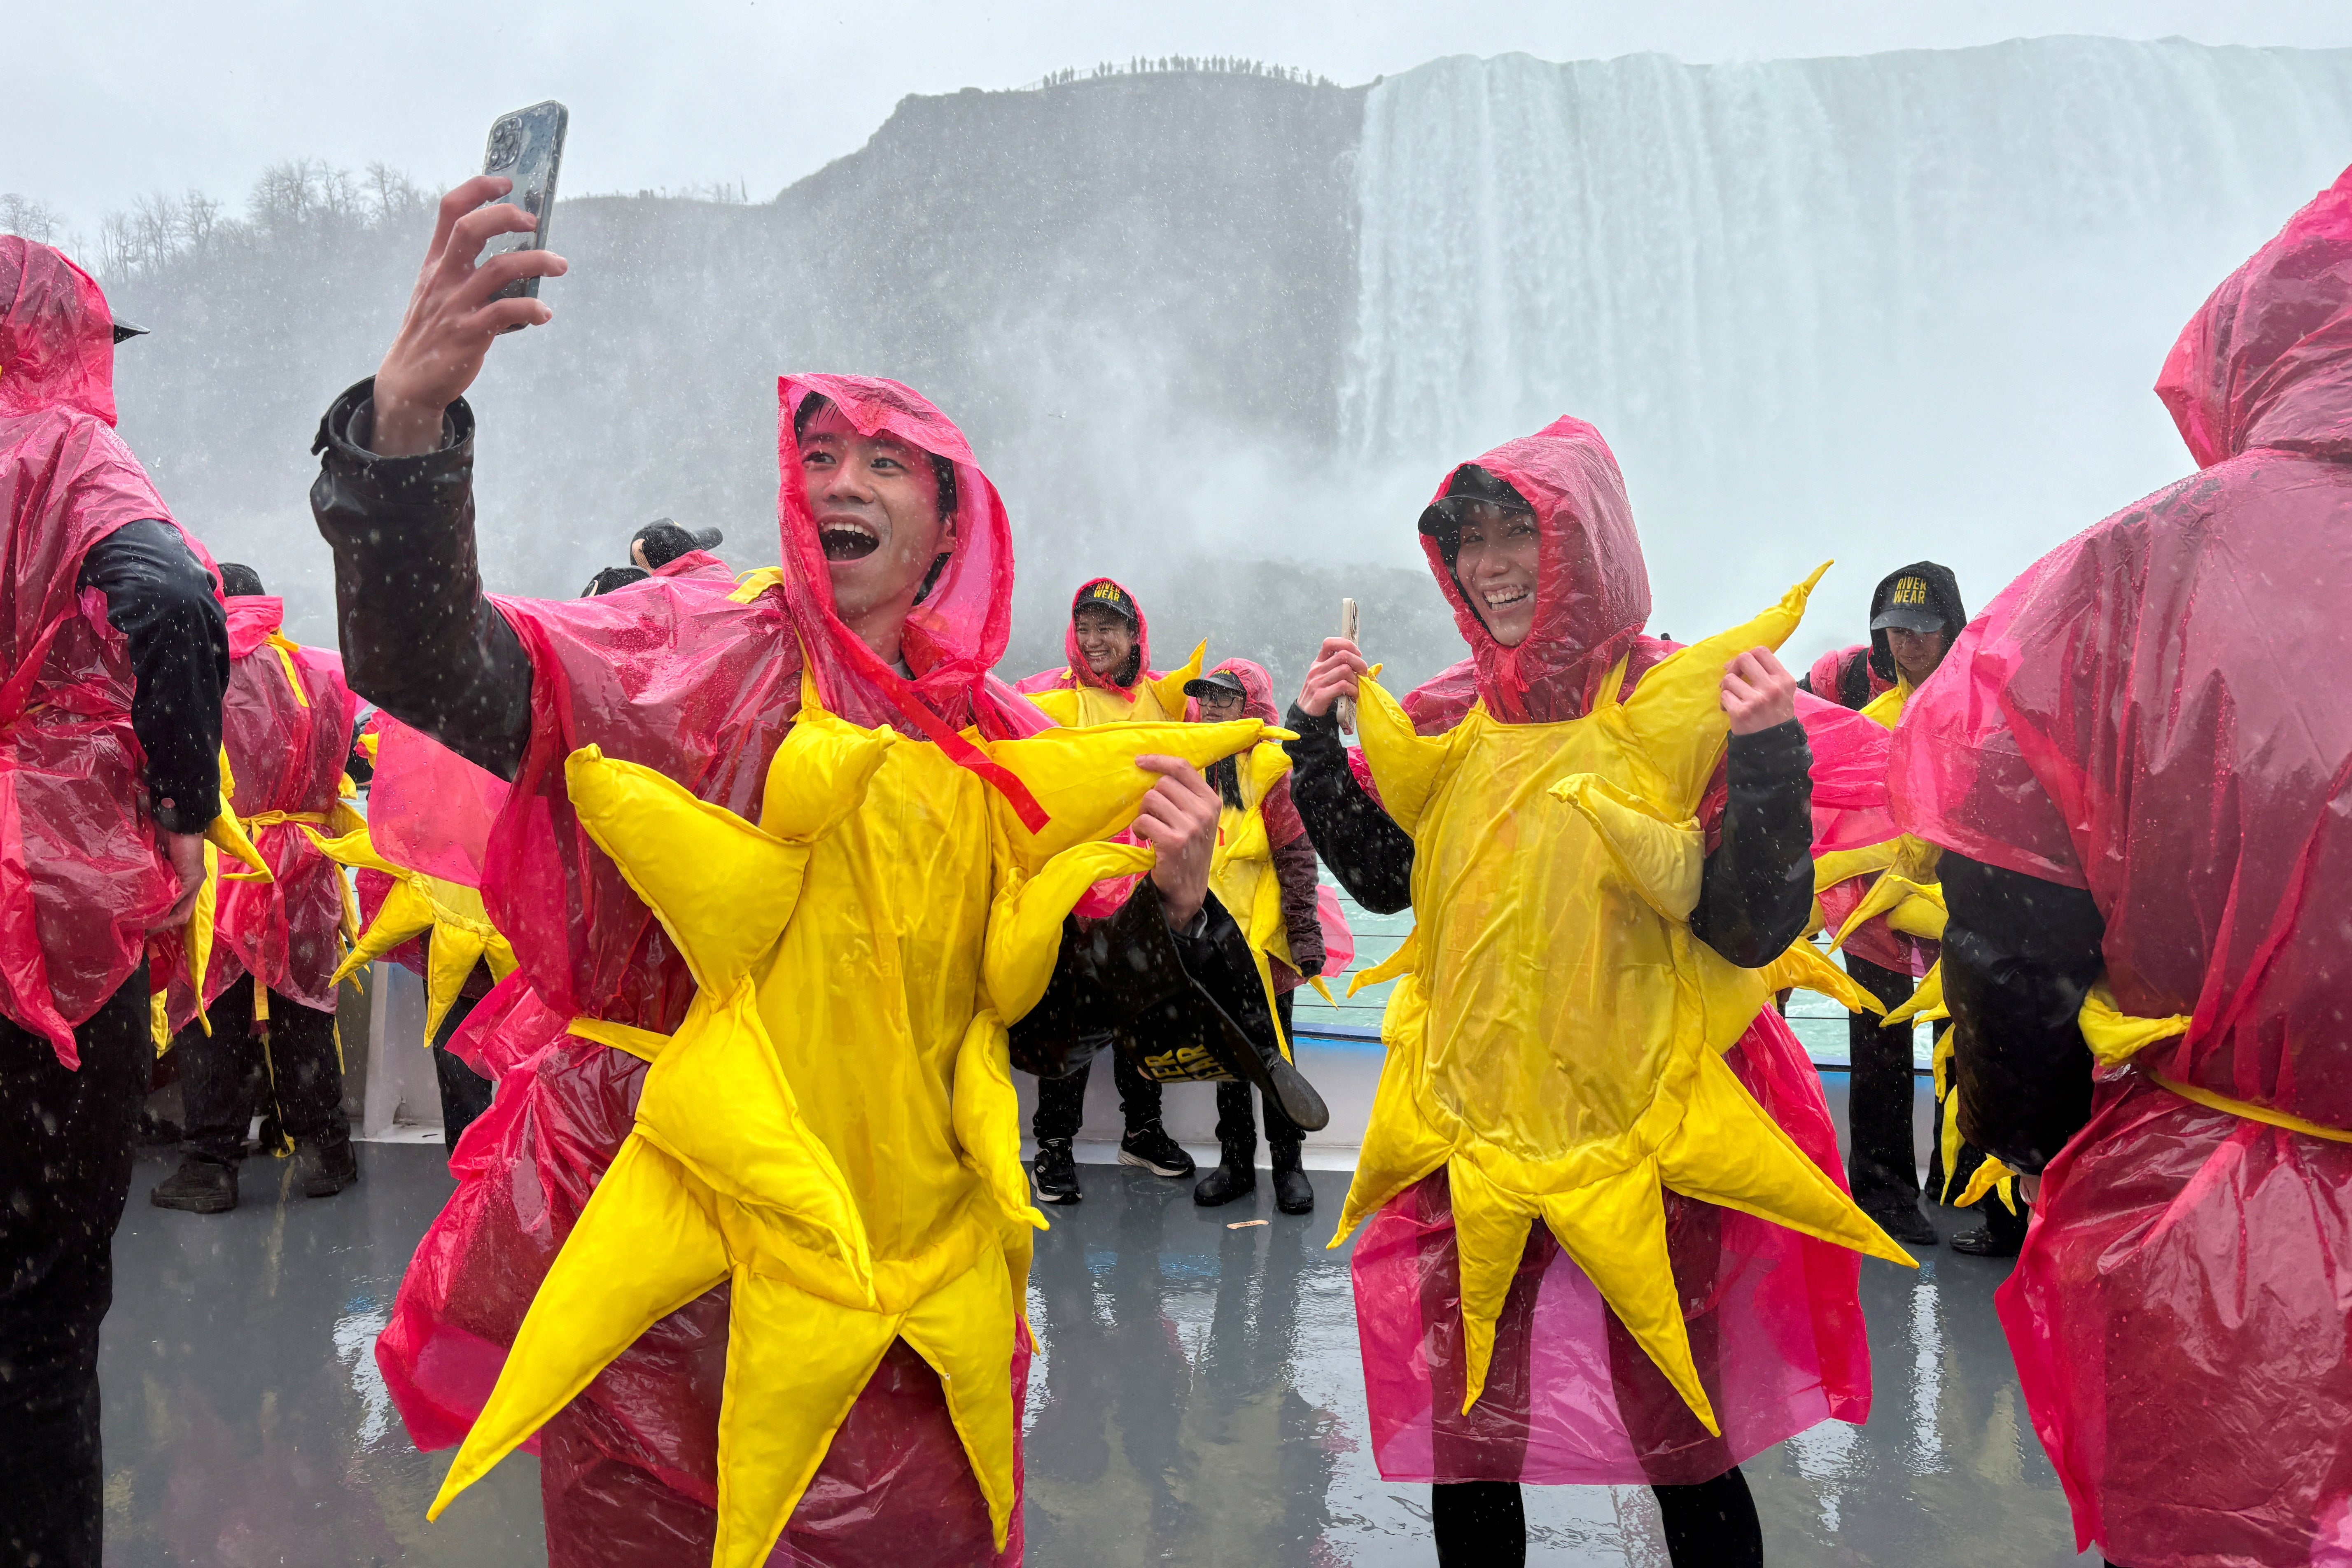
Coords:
833,1130
449,914
225,836
1556,1033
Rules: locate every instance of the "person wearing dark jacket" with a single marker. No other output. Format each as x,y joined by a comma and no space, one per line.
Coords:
109,736
1916,614
1259,839
708,707
1560,843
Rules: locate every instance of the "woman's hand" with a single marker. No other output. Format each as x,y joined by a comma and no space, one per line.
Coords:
1758,692
452,320
1333,675
1179,819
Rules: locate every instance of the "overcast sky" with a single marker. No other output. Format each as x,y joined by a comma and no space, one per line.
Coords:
111,101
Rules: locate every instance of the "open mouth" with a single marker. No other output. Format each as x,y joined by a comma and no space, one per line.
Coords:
845,541
1507,598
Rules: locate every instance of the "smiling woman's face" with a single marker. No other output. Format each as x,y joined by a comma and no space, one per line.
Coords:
1496,563
877,505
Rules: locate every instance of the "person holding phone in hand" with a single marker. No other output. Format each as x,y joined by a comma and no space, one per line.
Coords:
782,840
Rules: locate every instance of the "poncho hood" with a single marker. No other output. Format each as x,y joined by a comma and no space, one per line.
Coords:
958,631
2267,359
56,334
252,617
1083,672
1592,587
1257,691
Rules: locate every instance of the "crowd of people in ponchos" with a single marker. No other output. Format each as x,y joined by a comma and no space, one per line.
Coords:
740,901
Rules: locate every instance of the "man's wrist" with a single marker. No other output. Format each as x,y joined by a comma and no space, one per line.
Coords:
391,426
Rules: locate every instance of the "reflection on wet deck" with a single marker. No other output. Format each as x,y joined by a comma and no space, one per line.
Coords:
1199,1402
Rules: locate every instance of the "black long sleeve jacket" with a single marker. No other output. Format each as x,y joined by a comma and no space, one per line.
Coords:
2018,955
421,641
160,598
1755,892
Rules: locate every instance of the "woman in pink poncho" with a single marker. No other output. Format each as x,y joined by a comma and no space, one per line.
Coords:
1556,600
2137,762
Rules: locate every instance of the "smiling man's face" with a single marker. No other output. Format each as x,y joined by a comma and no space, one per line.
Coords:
877,504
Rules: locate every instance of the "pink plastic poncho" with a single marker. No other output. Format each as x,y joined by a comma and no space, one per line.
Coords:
81,874
1074,671
1828,672
2156,712
287,753
429,809
687,675
1774,1317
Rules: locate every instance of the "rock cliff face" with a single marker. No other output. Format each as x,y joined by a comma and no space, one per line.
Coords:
1129,291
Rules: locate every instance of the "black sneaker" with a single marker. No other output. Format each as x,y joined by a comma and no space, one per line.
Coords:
1154,1151
323,1170
1905,1224
1293,1192
1234,1177
2000,1236
1054,1173
198,1186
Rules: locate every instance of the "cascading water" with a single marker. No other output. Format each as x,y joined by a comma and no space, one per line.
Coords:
1882,308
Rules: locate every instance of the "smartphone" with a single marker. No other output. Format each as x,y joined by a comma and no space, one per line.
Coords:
1344,707
527,147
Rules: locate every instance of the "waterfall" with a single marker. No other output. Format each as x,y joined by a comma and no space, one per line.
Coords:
1902,306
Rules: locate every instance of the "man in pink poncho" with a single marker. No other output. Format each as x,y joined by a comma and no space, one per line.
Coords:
893,604
2138,763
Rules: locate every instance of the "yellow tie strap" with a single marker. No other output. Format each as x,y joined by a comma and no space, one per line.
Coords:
2116,1036
286,648
2268,1115
273,818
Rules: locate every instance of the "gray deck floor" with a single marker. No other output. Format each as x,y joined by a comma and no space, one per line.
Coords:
1200,1402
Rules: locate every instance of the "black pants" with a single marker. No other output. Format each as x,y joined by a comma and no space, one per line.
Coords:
1483,1524
1237,1126
1884,1165
225,1074
1062,1101
464,1093
66,1143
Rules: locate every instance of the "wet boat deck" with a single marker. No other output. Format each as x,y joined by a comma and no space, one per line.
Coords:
1200,1402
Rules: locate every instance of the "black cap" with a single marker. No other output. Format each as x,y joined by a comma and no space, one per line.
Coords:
664,541
612,577
1909,608
1471,486
1214,682
123,329
1107,596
